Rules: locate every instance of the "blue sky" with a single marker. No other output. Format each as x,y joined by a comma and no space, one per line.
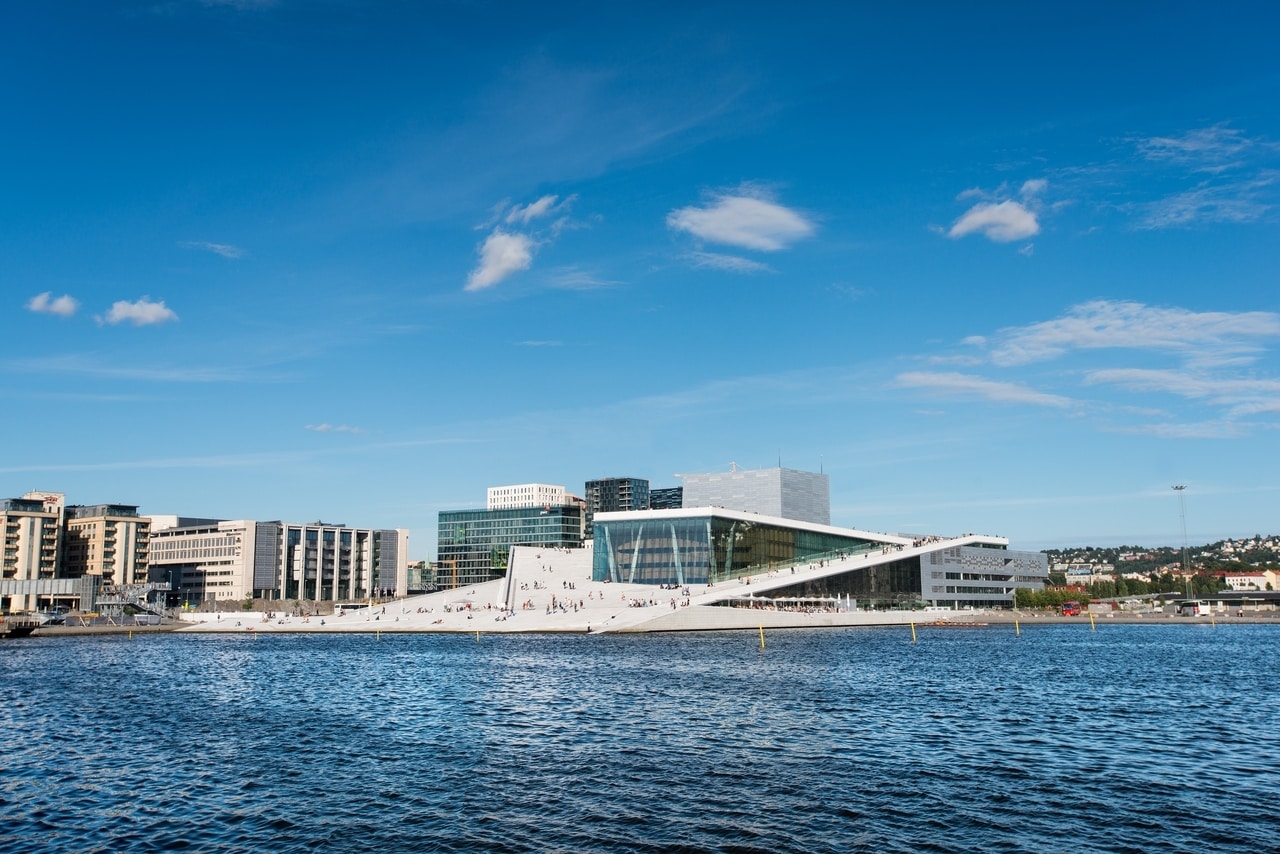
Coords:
1006,271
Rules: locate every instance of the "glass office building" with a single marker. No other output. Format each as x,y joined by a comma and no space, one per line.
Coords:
474,545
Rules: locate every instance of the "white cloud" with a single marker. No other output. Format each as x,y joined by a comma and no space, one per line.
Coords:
509,250
1002,222
729,263
501,254
45,303
967,385
226,250
1245,396
539,343
534,210
1206,337
333,428
1033,187
749,221
144,312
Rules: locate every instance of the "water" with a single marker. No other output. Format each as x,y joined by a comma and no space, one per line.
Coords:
1133,738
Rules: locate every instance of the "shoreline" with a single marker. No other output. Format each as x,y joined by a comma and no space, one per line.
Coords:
926,620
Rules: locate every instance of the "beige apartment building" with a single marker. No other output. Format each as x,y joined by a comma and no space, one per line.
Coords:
31,529
107,540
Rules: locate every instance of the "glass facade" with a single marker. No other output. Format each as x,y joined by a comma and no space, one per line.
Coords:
706,549
882,586
474,545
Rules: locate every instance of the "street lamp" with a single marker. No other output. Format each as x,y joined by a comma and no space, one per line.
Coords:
1182,514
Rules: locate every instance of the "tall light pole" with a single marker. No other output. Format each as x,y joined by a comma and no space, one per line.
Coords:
1182,514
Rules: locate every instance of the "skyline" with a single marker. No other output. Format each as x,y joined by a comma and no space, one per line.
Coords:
1008,273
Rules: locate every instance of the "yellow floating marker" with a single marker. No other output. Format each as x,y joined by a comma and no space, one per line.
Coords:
913,632
477,635
762,636
1092,626
1017,629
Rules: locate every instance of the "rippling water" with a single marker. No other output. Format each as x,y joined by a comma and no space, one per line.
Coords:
1133,738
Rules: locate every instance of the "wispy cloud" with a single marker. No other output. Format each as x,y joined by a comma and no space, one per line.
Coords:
501,254
46,303
143,312
226,250
93,365
333,428
545,206
728,263
968,385
1210,149
1241,182
539,343
575,279
1239,201
508,251
1204,336
1214,384
1004,220
748,218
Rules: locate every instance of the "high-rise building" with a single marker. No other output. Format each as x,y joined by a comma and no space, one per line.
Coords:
786,493
667,498
106,540
616,495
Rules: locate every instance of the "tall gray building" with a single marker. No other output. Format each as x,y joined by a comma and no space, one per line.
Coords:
789,494
616,495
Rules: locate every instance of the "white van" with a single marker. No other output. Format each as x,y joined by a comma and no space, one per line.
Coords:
1193,608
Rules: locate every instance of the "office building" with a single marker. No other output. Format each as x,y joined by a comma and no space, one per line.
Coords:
524,495
474,546
209,560
667,498
786,493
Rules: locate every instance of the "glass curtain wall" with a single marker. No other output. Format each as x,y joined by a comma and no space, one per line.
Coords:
705,549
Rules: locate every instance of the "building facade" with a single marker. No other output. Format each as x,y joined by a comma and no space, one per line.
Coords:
615,495
713,546
524,495
32,535
474,546
110,541
786,493
208,561
666,498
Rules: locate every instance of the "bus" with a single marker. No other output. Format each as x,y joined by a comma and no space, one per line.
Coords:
1193,608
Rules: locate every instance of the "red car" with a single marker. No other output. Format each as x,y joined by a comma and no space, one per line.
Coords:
1070,609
